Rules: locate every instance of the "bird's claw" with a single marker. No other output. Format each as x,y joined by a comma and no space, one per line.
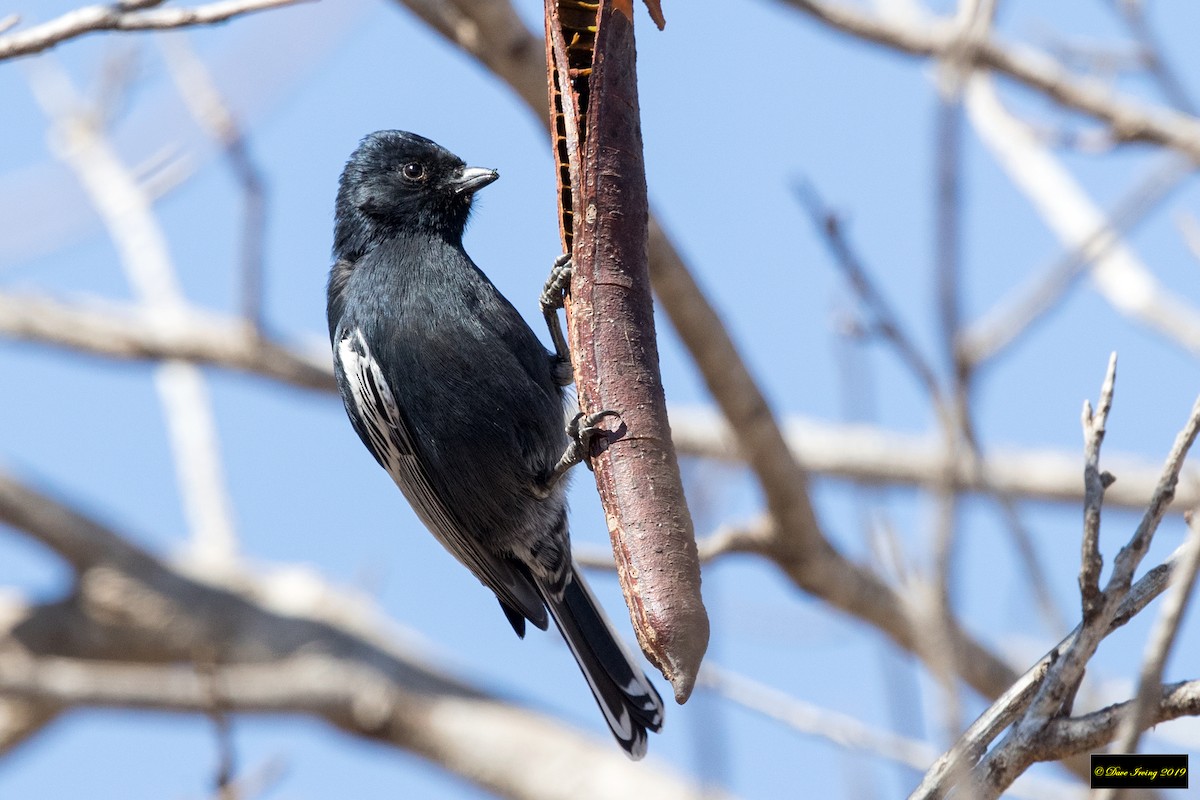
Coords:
552,300
583,431
558,282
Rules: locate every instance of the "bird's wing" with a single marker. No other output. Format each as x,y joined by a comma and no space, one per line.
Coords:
380,424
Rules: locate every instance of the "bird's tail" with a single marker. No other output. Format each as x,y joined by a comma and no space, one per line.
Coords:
630,703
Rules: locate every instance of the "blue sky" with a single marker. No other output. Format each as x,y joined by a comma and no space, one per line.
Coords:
736,108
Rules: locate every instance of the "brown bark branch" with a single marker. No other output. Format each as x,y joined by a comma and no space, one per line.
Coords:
614,351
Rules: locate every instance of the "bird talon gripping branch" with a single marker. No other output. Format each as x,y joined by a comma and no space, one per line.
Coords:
552,300
582,436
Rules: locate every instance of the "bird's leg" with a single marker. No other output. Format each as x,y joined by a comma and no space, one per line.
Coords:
552,301
582,430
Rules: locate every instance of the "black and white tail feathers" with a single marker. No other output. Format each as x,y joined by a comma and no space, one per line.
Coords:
631,705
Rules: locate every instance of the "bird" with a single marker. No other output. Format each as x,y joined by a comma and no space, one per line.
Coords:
459,401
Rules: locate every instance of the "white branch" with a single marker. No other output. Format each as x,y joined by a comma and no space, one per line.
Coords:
127,212
1119,275
115,18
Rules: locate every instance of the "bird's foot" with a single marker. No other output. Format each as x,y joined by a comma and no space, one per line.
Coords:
583,431
552,300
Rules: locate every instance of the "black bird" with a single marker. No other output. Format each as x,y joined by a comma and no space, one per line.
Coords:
459,401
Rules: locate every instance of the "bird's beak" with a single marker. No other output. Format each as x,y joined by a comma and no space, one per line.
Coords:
471,179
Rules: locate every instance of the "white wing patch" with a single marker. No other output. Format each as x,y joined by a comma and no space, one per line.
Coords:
373,399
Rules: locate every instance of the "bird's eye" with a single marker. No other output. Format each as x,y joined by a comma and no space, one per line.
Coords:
413,171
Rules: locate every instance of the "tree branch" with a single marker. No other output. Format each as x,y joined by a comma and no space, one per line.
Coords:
118,18
138,633
873,455
135,332
1130,119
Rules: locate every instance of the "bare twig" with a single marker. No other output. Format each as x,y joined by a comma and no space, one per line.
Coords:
1008,707
1143,712
1019,748
133,332
1090,732
1130,119
200,93
1094,483
883,319
115,18
1090,236
846,731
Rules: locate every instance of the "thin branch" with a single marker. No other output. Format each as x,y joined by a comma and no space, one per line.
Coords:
1010,705
127,213
1019,748
1090,732
210,110
847,732
1095,482
1162,638
133,332
1091,237
874,455
116,18
972,23
1131,120
883,319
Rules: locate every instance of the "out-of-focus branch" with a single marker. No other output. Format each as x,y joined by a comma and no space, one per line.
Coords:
873,455
118,17
850,733
145,259
752,537
210,110
134,332
1129,119
1091,238
851,452
881,318
138,633
484,739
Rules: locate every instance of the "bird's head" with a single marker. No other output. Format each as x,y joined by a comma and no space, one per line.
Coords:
397,182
